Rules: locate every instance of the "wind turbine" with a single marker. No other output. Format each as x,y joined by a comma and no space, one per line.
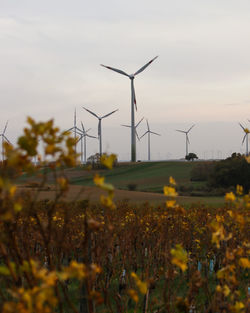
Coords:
100,126
75,129
4,138
246,131
187,139
149,132
133,102
135,127
83,134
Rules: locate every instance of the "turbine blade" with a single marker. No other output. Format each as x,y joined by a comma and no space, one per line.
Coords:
188,139
68,130
145,66
147,124
83,129
133,91
79,133
110,113
90,136
190,128
91,112
244,138
87,130
7,139
115,70
154,133
5,127
79,130
125,125
139,122
137,135
144,134
181,131
79,138
242,126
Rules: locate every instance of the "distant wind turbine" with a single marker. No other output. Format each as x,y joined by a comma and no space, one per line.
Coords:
135,127
187,139
100,126
75,130
4,138
133,103
149,132
83,134
246,131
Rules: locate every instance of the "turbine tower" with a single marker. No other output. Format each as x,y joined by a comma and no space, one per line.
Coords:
83,135
135,127
187,139
100,126
4,138
133,102
149,132
246,131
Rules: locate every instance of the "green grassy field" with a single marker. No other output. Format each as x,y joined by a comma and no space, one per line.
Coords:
147,176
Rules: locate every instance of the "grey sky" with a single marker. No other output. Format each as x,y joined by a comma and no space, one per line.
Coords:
50,63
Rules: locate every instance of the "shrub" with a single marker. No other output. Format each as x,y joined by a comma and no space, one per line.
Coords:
231,172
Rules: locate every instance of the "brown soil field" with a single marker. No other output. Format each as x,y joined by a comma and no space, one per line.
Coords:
93,194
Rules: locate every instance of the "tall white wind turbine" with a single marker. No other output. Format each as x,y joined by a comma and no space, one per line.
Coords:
4,138
149,132
133,103
100,126
187,139
83,135
246,131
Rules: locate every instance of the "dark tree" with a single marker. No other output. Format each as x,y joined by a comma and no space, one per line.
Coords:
191,156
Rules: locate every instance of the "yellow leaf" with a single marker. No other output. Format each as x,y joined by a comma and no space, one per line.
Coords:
98,180
239,190
172,181
226,290
143,287
108,160
230,197
107,201
244,262
133,294
238,307
180,257
169,191
170,203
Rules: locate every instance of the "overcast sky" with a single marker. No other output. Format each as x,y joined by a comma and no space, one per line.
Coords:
50,59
